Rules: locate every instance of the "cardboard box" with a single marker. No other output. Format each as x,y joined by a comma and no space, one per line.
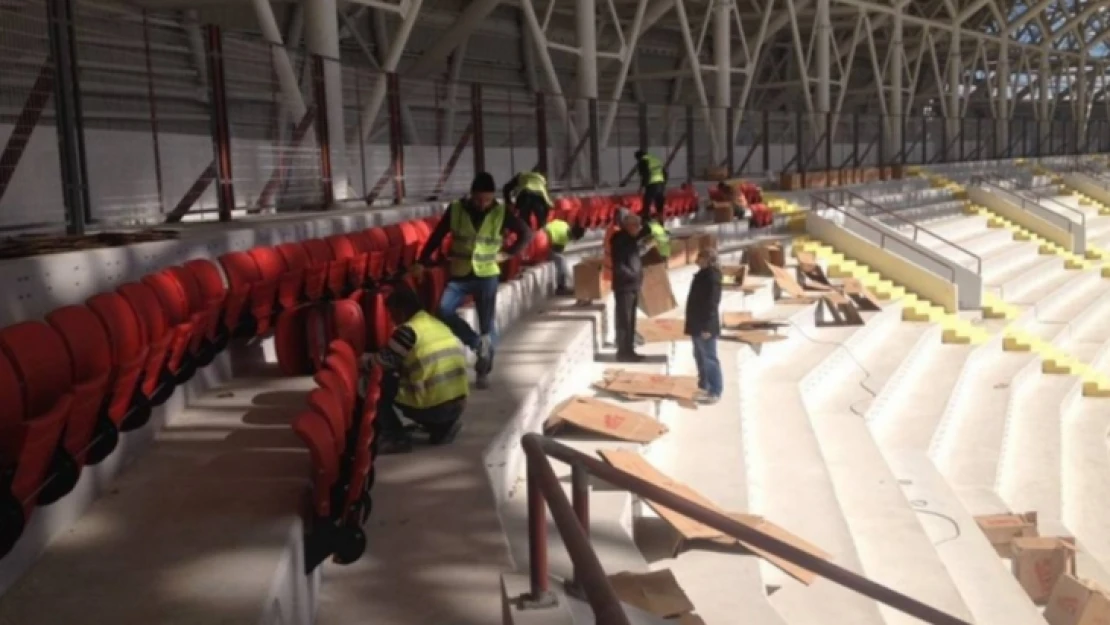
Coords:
1077,602
759,258
656,296
1039,562
1002,529
602,417
722,212
790,181
589,283
733,275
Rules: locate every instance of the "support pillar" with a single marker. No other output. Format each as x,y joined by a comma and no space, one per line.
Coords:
586,20
722,57
389,65
221,134
286,76
1044,76
897,69
823,43
955,119
321,26
1002,80
1082,104
67,111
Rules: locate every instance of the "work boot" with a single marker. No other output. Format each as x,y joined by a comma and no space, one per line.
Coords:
485,356
445,435
631,357
395,445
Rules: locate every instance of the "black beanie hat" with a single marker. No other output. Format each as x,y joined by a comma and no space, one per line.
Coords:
483,183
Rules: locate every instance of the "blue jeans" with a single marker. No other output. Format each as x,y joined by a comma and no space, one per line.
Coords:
709,367
484,292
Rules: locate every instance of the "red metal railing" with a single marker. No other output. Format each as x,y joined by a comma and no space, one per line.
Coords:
572,519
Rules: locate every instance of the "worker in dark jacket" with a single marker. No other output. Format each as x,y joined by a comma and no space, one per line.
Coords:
703,325
653,180
626,248
527,193
477,225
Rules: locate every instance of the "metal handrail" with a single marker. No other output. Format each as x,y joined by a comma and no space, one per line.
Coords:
916,228
1026,203
884,236
572,521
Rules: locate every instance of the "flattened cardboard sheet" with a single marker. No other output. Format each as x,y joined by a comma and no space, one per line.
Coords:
602,417
656,295
636,385
863,297
661,330
752,337
689,529
656,593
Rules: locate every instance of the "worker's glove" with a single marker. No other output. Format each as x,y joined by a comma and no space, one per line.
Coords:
502,257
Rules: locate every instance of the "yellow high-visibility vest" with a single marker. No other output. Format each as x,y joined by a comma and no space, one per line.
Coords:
434,372
475,251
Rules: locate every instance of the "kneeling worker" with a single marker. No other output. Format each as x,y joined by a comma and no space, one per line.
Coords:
477,225
559,234
424,376
532,200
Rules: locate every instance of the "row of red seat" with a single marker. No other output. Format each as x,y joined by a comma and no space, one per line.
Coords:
338,430
599,211
74,381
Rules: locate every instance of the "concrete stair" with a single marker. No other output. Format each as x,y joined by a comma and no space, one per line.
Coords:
789,481
892,546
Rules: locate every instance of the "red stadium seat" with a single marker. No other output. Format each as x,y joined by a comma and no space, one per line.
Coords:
291,288
331,381
205,314
156,385
317,275
377,268
175,304
314,431
211,283
379,327
128,352
394,259
264,292
341,319
241,272
339,269
330,406
290,342
90,435
44,376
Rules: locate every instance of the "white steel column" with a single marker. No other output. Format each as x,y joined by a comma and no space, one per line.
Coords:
389,64
321,34
722,57
1002,83
286,77
1044,79
555,90
955,86
1081,100
824,40
629,57
586,17
897,69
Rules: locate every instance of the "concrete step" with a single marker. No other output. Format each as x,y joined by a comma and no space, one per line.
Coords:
1085,477
722,584
893,549
1008,262
989,590
788,480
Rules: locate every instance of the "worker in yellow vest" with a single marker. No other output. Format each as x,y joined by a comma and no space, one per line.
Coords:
653,181
527,193
424,377
560,234
477,225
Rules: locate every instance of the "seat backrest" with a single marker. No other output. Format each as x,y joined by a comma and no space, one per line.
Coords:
294,255
171,295
86,341
329,405
318,251
14,409
127,337
332,381
269,261
194,294
42,363
314,432
209,278
345,351
148,310
347,375
341,246
240,269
